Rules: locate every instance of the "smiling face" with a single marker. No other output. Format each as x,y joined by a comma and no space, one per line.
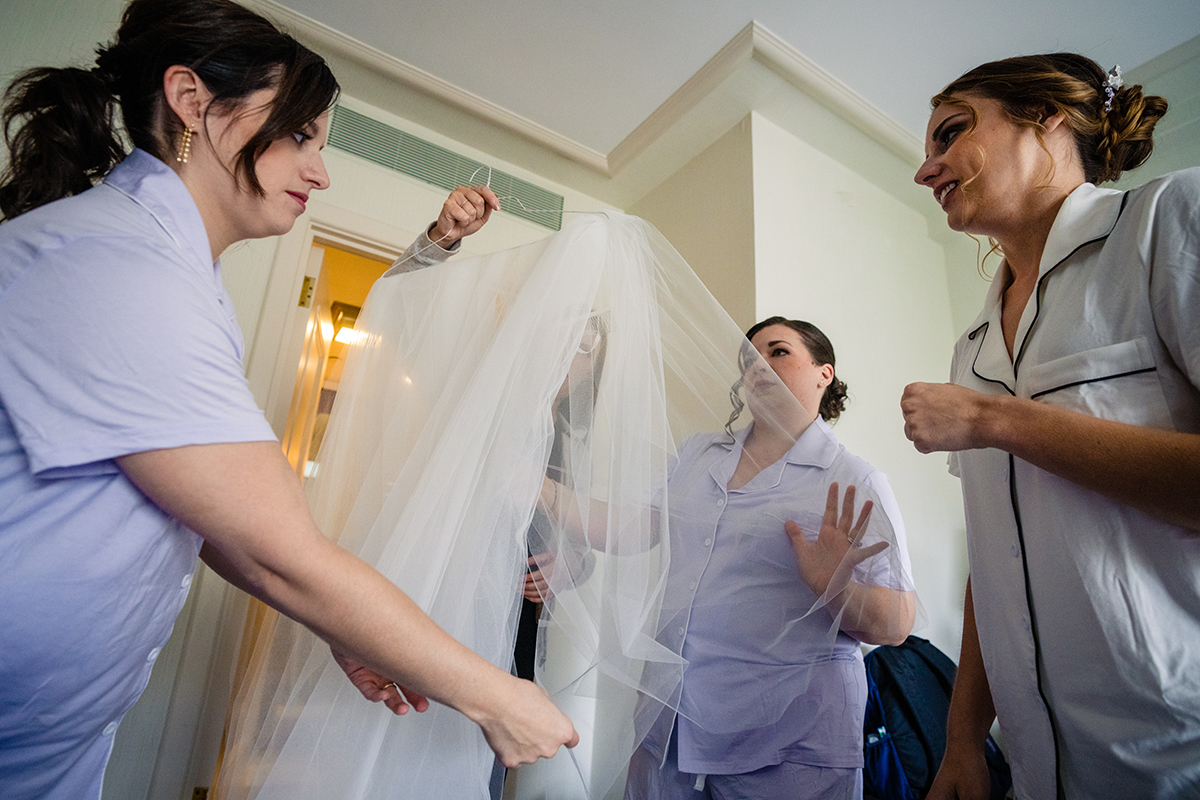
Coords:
984,169
288,171
784,352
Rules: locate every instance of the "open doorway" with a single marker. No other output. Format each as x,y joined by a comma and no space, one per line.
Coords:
336,285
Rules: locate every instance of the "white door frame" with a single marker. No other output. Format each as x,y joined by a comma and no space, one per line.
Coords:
213,619
270,366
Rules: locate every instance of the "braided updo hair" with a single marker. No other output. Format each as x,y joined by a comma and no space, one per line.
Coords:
833,401
1110,137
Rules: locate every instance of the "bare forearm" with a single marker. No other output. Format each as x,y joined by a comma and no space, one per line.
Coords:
260,536
971,709
359,612
561,504
875,614
1153,470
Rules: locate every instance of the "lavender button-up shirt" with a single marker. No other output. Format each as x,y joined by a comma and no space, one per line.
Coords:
765,683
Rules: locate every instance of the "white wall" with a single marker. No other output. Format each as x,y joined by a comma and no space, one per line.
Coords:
26,39
1174,75
838,251
706,210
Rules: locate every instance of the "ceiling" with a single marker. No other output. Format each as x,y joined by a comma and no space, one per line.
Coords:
592,71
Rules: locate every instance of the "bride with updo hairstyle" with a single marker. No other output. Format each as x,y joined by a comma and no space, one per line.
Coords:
129,438
1073,421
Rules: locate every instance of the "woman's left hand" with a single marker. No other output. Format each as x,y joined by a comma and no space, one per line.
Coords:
465,211
828,562
377,688
537,586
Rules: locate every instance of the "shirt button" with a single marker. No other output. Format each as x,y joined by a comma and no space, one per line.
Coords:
111,728
1016,551
708,542
681,631
692,585
187,581
153,654
721,502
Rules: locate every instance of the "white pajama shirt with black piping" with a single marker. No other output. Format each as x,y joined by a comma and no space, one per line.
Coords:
1088,611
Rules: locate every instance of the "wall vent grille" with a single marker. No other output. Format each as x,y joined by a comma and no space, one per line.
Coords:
390,147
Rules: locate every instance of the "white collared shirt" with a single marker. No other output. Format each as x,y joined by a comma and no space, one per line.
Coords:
1089,611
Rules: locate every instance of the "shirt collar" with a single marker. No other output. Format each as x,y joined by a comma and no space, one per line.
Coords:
158,189
816,447
1087,214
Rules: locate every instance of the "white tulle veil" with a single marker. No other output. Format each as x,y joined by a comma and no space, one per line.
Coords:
587,357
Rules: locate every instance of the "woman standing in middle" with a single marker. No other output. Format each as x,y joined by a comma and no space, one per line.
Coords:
770,622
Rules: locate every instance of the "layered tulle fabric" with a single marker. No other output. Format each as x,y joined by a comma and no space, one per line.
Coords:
529,402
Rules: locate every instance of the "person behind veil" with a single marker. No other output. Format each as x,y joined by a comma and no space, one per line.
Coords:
129,439
771,706
457,385
572,412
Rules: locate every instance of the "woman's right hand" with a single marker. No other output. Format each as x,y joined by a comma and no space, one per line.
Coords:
527,725
962,776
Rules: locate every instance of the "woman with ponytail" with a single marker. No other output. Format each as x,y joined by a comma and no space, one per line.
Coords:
129,440
1073,421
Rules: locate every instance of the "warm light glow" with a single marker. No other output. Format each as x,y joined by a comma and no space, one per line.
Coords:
348,335
327,330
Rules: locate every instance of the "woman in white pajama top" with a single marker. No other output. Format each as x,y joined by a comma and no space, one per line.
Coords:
1073,421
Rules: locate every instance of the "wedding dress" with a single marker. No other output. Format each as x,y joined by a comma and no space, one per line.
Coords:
586,358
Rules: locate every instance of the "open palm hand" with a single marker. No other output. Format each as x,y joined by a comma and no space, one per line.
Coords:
827,563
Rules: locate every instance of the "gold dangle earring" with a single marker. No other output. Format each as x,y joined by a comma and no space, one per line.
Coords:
185,146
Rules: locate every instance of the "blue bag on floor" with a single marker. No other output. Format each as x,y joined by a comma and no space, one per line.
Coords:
904,730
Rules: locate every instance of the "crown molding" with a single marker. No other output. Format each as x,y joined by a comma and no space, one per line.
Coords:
1167,62
753,46
758,44
324,38
736,53
804,74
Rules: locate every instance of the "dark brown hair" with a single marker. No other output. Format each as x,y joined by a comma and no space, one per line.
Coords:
1029,88
833,401
65,135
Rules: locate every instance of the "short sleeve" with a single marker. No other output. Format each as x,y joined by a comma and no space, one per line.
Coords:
1174,252
113,346
898,567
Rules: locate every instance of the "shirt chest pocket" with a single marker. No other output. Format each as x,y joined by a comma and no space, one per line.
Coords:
1117,382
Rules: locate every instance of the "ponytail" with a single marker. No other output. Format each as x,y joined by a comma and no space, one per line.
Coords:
59,124
64,139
